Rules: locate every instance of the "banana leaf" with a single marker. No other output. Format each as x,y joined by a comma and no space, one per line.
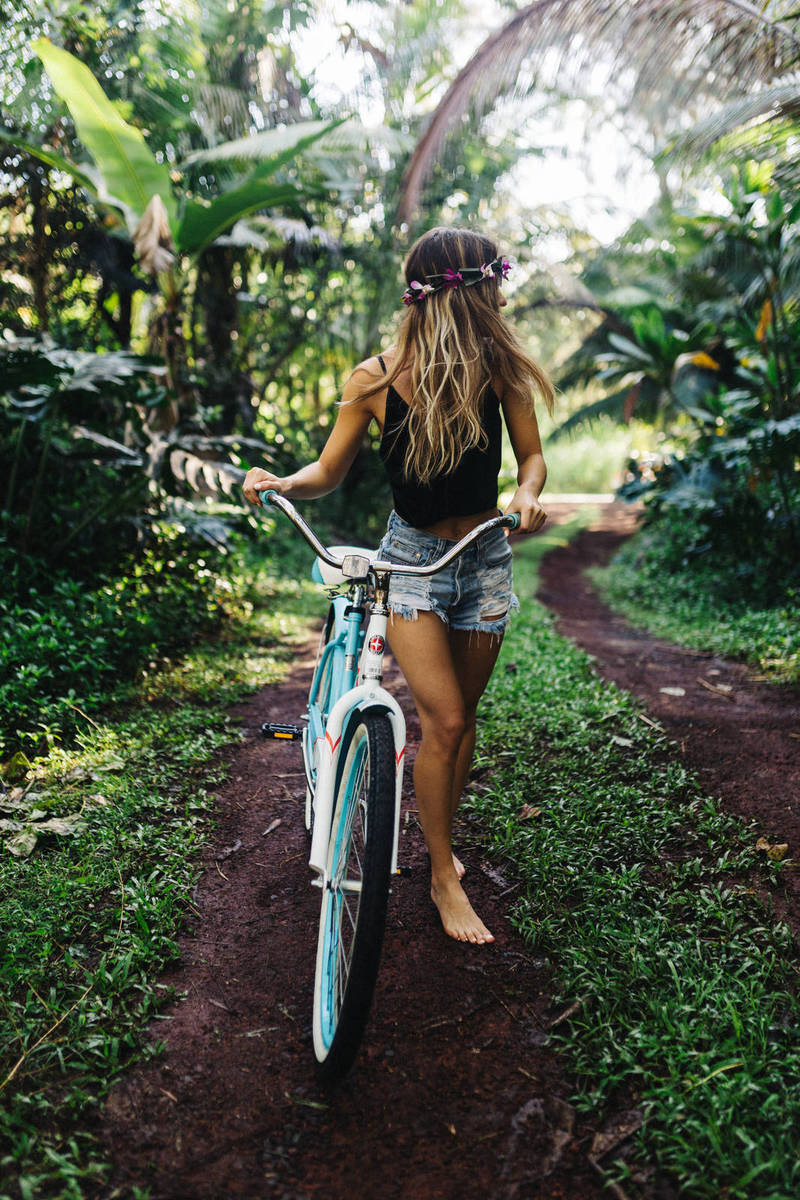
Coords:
202,223
129,169
270,143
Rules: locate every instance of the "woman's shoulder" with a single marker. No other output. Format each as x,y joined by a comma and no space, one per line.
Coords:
370,371
365,387
369,374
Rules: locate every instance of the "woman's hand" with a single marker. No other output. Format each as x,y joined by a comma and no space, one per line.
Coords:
257,480
526,503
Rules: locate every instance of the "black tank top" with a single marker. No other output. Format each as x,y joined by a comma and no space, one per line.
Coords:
470,488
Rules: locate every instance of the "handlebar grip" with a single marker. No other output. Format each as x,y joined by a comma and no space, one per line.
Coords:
267,496
513,520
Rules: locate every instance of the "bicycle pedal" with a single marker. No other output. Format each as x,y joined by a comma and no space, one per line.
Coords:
281,732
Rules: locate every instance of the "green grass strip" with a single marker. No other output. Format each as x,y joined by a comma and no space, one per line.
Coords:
88,920
641,893
691,609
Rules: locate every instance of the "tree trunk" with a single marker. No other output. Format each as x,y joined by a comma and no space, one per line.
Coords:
38,189
216,294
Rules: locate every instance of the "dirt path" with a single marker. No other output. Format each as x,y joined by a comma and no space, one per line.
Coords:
743,743
455,1093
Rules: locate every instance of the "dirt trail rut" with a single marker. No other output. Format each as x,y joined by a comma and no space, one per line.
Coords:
743,739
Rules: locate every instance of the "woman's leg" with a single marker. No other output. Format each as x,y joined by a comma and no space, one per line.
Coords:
425,654
474,656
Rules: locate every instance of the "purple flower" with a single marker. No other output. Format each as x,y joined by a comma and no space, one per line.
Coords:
416,291
413,292
505,267
452,278
486,271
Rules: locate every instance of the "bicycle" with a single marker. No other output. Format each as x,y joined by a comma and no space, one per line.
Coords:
353,743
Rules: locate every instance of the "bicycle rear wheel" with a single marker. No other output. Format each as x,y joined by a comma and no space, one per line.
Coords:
353,913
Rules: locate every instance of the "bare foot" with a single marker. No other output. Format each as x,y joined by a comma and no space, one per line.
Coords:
459,866
459,919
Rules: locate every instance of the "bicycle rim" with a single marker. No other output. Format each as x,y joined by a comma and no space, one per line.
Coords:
353,912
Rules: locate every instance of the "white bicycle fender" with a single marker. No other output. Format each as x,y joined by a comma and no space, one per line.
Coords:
365,697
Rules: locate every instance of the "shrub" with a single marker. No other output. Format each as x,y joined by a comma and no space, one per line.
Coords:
65,647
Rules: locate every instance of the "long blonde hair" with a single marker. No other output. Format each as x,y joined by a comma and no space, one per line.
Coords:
456,341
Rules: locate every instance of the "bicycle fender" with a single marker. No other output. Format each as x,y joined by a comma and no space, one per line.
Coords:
366,697
398,723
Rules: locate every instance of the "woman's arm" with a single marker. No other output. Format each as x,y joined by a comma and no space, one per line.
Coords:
322,476
523,429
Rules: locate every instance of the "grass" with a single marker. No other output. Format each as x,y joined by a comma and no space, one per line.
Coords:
691,609
643,895
91,916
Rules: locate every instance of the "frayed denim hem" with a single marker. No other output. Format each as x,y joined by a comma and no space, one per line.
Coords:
497,627
408,612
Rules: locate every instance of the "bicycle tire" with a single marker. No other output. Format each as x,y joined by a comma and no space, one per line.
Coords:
353,914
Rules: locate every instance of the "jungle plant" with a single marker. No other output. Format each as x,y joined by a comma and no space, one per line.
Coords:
661,56
649,362
88,468
126,177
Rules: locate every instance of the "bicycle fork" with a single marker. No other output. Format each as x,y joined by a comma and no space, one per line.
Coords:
368,694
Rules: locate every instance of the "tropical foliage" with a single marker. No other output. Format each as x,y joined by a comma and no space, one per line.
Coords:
702,338
199,248
196,256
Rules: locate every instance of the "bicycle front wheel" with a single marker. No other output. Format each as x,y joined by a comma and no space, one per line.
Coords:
354,904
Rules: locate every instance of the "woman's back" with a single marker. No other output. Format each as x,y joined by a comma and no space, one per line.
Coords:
471,487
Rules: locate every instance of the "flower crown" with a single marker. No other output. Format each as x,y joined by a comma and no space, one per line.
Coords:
466,276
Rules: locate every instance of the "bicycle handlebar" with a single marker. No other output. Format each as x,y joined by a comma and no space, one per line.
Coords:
509,521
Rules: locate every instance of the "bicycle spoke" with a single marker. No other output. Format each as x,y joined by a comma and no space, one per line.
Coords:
350,916
341,974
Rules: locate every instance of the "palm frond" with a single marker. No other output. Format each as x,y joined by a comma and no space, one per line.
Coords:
194,461
756,110
222,107
205,476
674,50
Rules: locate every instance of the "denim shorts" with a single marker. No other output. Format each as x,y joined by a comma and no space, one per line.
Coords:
472,592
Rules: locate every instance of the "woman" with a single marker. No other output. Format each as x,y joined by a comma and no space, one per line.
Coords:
436,396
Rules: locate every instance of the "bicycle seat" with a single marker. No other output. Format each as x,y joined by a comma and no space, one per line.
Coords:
321,572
